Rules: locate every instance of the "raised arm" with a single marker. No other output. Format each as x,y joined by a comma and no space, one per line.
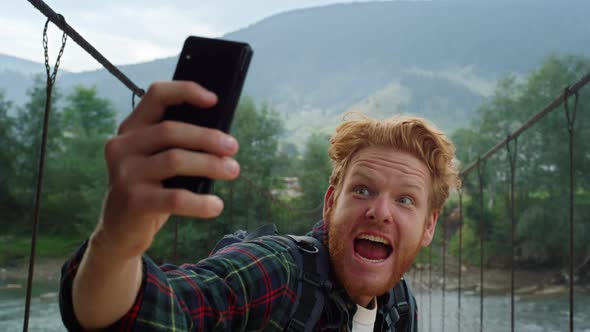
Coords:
143,153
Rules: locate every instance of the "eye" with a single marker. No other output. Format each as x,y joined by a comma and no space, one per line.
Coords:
406,200
361,190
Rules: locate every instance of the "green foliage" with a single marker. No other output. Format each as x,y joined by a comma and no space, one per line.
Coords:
315,169
74,173
541,169
87,121
13,248
257,129
28,134
7,163
469,239
248,199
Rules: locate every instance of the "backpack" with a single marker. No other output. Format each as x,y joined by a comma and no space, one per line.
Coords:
314,285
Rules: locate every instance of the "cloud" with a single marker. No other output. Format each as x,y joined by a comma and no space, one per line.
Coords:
130,31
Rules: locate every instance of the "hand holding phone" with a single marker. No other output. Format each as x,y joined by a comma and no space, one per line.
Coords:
221,67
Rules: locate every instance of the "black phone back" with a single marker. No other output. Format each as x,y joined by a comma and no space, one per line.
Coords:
221,67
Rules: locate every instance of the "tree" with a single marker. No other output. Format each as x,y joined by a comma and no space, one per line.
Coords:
10,206
75,173
249,201
315,169
542,167
87,121
28,134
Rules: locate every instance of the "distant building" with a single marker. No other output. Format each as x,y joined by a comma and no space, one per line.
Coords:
292,188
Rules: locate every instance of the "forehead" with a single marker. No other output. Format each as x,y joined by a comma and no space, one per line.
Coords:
385,161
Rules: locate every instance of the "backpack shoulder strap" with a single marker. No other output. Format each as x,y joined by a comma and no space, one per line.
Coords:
313,281
402,308
242,236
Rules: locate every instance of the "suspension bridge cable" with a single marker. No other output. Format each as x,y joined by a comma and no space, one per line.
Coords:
550,107
481,243
60,22
444,269
460,259
512,157
41,166
571,118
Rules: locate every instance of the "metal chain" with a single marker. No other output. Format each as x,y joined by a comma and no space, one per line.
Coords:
461,221
41,167
481,243
64,38
570,128
444,269
512,157
570,120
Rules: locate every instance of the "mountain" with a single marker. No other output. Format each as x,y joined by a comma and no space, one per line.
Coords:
16,75
439,59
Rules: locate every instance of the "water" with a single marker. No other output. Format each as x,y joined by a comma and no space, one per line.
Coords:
44,311
533,313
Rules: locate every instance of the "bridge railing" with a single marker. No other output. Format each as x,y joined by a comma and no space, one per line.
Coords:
474,265
515,235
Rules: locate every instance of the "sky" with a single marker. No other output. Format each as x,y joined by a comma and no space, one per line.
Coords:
129,31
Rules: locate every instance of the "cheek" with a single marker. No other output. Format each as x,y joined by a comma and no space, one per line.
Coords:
411,228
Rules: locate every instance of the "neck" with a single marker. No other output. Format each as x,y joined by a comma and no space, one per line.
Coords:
364,301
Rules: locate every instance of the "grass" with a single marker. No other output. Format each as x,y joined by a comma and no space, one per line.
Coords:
15,248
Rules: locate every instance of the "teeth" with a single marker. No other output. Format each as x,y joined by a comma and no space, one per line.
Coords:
374,238
371,260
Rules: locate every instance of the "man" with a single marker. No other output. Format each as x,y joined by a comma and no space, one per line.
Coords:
389,182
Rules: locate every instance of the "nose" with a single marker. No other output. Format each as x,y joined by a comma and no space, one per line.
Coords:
379,210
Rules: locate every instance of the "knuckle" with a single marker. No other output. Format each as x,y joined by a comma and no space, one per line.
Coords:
175,200
214,163
119,174
123,126
215,136
111,149
166,130
130,197
155,89
172,158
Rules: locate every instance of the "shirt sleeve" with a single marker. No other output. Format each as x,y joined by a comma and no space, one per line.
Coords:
245,286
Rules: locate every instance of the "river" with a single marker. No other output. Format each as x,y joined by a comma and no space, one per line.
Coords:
533,313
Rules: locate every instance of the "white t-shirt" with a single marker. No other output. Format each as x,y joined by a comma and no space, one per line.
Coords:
364,319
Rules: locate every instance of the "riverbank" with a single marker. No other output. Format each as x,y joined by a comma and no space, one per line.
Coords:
46,271
496,281
540,281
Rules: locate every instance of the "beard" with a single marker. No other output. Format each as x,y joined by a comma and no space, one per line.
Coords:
355,288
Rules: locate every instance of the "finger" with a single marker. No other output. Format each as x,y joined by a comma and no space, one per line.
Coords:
179,202
187,163
171,134
163,94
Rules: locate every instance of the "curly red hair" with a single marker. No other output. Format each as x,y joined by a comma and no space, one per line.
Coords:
409,134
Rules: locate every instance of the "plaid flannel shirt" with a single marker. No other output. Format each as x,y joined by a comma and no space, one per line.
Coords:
248,286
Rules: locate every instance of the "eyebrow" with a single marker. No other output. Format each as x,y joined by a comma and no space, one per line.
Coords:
359,173
404,184
413,185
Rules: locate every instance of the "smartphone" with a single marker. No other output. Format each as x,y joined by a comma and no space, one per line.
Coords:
220,66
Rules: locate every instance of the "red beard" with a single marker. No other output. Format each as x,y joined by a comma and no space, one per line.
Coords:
402,262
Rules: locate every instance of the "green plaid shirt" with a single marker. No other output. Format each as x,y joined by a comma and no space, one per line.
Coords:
248,286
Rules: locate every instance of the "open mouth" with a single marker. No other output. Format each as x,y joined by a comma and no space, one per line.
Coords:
371,248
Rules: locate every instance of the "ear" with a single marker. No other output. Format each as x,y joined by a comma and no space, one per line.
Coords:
429,227
328,201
